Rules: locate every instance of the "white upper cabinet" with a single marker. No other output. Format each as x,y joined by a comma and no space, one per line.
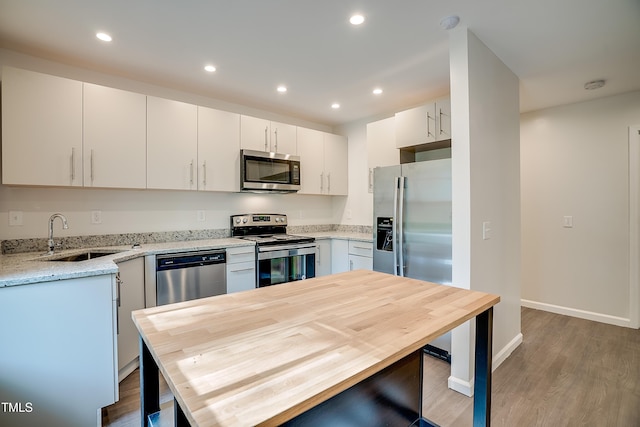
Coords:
172,144
336,160
264,135
421,125
218,150
41,129
114,137
311,152
323,162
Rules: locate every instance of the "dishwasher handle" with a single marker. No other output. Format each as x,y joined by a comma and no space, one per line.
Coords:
189,259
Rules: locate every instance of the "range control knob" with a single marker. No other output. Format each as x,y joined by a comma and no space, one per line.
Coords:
244,220
237,220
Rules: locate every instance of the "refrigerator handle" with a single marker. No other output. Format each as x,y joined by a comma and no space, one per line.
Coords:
394,226
400,221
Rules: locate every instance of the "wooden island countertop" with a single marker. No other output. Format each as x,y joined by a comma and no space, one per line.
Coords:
264,356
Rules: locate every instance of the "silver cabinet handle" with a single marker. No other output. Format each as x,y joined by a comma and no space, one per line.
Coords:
204,173
241,269
440,119
370,180
328,183
275,132
73,164
321,182
191,173
362,247
350,264
266,137
318,255
429,125
92,166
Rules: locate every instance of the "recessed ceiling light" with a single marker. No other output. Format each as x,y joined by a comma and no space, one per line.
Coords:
377,91
281,89
594,84
449,22
335,105
356,19
209,68
104,37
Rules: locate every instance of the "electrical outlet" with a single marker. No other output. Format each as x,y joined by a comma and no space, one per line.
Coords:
15,218
348,214
201,216
96,217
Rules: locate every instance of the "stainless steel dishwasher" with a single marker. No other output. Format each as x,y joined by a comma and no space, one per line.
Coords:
190,275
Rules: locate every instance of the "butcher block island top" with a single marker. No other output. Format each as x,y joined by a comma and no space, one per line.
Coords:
264,356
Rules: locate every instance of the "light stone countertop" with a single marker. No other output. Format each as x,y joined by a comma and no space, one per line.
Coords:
34,267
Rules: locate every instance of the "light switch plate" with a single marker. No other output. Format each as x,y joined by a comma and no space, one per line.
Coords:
486,230
202,216
567,221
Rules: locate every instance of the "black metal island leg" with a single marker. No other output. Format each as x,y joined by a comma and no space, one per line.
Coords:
149,384
482,381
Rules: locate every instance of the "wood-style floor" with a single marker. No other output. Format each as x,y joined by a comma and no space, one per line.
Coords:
567,372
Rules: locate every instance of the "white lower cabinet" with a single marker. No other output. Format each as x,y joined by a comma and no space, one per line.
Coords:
339,255
59,351
360,255
241,269
323,257
131,292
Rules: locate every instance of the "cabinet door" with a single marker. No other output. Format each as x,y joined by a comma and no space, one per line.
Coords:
358,262
381,144
283,138
254,133
59,350
311,152
323,257
241,276
218,150
41,129
339,255
114,137
416,126
443,110
131,288
336,164
172,144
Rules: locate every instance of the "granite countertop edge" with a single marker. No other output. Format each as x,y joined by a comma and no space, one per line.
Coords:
36,267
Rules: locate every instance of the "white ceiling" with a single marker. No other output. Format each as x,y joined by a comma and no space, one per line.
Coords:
553,46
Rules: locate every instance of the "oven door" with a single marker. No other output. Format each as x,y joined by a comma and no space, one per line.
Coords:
285,263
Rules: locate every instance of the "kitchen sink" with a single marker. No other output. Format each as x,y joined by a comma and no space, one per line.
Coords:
84,256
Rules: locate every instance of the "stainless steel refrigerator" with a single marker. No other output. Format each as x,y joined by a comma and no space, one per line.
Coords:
412,223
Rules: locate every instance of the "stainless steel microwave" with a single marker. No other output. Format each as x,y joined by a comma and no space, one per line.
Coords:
269,172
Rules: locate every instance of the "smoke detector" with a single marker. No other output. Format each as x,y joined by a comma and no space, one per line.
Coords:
594,84
449,22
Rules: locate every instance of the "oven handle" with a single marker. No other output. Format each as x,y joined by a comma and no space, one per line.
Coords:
283,252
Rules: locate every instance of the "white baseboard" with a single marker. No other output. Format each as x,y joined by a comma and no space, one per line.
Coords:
506,351
581,314
461,386
128,369
466,387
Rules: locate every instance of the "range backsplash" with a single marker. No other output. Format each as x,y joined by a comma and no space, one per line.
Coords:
127,239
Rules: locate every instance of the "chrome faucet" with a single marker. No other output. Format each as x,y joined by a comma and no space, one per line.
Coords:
52,245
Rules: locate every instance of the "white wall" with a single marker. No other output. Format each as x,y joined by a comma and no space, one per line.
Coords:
574,162
148,211
486,188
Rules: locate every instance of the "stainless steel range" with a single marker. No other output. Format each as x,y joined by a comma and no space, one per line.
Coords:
280,257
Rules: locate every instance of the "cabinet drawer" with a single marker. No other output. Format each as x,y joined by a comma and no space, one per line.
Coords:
361,248
241,254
